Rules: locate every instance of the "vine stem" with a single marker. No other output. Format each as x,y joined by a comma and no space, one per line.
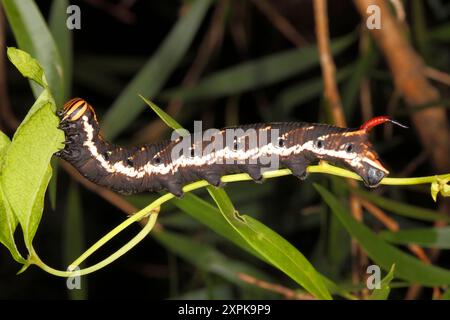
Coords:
152,213
34,258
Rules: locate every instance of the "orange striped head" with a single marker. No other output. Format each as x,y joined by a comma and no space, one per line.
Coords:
75,108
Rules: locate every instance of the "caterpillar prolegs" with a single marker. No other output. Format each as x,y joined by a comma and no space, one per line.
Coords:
211,154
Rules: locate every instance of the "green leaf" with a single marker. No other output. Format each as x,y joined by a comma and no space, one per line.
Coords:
63,40
207,258
275,249
8,221
32,35
168,120
8,224
156,71
425,237
26,169
383,292
257,73
4,145
385,255
210,216
402,209
27,66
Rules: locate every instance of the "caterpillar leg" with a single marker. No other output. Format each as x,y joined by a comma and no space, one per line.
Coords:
298,167
254,171
213,178
174,187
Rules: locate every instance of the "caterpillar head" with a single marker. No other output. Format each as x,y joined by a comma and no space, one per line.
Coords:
74,109
364,159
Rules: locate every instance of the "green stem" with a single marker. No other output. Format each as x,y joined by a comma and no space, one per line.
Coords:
34,258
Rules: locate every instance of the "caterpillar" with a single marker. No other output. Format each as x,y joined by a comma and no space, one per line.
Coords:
170,164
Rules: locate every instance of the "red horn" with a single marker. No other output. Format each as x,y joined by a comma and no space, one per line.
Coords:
369,124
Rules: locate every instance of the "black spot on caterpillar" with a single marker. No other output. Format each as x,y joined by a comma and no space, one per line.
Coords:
161,166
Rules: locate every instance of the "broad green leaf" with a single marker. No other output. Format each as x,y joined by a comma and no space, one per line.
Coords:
26,168
385,255
27,66
275,249
8,221
401,208
299,93
63,40
257,73
210,216
207,258
383,292
32,35
424,237
8,224
156,71
74,236
4,144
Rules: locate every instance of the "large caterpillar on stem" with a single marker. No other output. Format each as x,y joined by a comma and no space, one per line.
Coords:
251,149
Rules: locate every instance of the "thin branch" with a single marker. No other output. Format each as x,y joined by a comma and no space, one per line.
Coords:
379,214
408,70
281,23
326,60
437,75
333,100
274,287
399,10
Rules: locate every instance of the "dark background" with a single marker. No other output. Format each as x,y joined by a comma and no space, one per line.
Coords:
150,270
